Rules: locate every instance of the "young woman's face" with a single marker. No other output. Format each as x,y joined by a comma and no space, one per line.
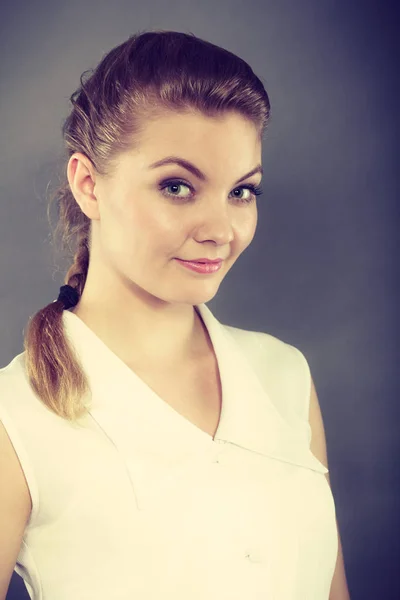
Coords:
148,217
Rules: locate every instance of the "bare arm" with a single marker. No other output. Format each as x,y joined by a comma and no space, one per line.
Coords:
339,589
15,508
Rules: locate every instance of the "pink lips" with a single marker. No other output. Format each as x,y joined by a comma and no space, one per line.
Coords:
205,260
201,265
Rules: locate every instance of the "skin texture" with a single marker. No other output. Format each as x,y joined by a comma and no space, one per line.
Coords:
137,298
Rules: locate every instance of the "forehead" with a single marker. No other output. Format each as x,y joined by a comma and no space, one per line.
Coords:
229,141
175,127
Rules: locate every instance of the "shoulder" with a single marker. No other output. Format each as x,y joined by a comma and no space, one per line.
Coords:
271,351
15,395
18,408
282,368
18,401
13,376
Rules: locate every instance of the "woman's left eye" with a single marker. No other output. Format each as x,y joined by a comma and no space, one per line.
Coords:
254,190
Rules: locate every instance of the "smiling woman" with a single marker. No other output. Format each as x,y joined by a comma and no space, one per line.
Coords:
139,229
139,435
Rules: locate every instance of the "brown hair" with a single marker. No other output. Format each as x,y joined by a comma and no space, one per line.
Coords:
151,72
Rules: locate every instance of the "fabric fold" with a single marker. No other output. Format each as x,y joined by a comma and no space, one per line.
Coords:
133,416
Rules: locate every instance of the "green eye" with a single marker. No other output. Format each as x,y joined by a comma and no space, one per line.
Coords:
177,183
173,184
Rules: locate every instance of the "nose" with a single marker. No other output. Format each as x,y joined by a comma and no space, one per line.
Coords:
215,223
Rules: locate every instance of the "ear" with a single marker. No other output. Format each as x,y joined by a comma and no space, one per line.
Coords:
82,180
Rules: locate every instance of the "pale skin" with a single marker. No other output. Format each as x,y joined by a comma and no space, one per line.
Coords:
135,289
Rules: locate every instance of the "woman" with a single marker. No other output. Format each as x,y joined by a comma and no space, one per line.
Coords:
148,450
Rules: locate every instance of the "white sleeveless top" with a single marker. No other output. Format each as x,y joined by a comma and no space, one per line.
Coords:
135,502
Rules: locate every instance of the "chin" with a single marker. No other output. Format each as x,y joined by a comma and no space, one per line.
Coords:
200,298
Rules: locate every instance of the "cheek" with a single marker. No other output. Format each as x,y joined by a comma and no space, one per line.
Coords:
245,229
137,221
150,233
161,231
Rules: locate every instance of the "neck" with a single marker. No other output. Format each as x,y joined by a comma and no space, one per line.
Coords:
167,335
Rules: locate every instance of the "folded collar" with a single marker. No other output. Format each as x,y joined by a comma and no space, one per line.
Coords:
145,428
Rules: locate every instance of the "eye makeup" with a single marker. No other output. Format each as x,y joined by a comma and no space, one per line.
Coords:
256,190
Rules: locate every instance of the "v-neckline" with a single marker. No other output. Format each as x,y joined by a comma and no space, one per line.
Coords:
140,423
163,404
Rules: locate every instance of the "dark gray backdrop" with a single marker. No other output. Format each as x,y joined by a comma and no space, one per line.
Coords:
320,273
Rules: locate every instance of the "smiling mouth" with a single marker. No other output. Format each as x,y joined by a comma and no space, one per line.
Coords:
203,261
201,267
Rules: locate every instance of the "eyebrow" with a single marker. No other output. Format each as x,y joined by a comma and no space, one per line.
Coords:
169,160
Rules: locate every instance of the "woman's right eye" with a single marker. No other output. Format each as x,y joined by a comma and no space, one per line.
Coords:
174,185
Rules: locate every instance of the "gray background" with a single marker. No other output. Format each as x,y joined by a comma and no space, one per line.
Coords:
320,273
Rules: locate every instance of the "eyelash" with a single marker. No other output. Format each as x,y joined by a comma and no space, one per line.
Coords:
255,190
